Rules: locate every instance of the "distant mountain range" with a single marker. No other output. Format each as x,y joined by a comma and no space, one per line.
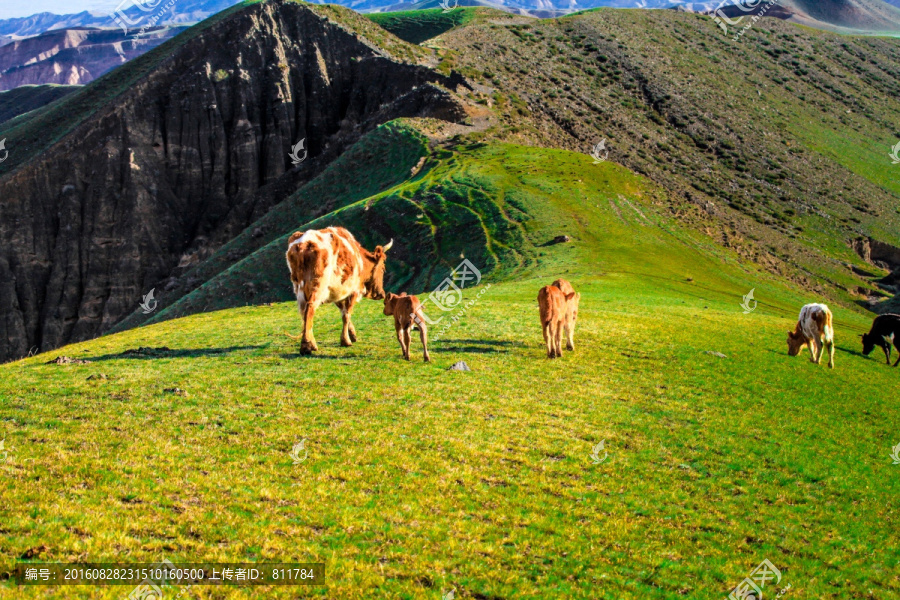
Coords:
864,15
73,56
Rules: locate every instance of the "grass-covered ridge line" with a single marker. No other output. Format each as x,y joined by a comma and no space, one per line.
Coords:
417,26
497,205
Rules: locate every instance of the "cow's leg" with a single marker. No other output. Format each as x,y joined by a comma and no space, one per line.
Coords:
547,339
830,345
423,335
570,336
308,345
896,345
348,334
813,346
559,337
401,337
407,340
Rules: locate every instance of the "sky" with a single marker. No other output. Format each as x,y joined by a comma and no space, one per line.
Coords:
14,8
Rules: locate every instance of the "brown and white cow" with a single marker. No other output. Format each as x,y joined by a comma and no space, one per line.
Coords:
571,311
330,266
815,329
554,309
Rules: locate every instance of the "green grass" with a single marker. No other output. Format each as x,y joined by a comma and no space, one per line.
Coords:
417,26
26,98
419,478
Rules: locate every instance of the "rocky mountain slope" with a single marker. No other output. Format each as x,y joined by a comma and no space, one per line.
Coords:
73,56
109,192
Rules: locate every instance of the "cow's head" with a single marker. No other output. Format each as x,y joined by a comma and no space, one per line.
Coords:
389,301
795,341
374,280
869,342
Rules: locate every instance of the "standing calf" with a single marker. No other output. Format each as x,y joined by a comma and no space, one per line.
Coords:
406,311
815,329
554,312
571,310
885,331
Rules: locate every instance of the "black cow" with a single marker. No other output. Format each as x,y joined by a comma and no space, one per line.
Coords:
885,330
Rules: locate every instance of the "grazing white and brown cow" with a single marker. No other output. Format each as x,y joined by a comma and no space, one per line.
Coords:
571,311
553,307
815,329
330,266
407,311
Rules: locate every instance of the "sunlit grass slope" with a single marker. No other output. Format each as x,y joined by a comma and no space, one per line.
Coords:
419,479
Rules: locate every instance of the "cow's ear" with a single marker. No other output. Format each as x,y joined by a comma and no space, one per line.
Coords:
295,236
570,296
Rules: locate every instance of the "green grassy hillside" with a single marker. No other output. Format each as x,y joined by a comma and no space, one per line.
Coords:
173,440
497,205
30,97
416,26
776,145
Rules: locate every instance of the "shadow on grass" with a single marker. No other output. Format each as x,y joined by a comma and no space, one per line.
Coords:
487,342
314,356
164,352
469,349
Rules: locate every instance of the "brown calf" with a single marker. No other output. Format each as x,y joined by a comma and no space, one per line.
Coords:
407,312
554,309
571,310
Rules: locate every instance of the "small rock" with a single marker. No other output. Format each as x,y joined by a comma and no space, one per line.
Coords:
690,278
716,354
67,360
176,391
560,239
459,366
98,376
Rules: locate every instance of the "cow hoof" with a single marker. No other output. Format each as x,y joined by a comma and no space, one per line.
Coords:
346,343
352,336
307,348
570,348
